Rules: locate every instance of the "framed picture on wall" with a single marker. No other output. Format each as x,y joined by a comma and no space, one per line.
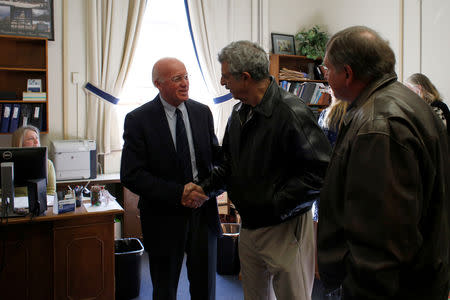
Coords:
27,18
283,44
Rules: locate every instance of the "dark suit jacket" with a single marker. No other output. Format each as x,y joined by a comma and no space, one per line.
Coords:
150,168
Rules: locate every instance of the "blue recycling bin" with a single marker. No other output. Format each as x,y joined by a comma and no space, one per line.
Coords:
128,255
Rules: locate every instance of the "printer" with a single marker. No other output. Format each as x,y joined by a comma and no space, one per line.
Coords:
74,159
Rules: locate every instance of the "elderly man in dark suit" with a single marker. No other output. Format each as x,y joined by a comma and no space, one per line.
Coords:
170,142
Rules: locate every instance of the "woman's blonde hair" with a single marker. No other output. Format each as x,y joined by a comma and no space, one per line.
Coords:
426,89
335,113
18,135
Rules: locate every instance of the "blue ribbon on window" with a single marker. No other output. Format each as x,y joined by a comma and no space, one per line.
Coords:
101,93
223,98
192,36
216,100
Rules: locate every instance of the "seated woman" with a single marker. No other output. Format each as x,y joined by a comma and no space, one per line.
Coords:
422,86
28,136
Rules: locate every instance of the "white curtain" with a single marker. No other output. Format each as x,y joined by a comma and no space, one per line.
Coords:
216,23
112,30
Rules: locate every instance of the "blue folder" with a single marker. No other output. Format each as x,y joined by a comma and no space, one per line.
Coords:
15,115
6,114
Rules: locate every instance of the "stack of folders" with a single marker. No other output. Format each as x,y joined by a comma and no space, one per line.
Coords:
15,115
34,96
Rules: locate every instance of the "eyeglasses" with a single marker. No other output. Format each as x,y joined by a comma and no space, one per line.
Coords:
178,78
324,67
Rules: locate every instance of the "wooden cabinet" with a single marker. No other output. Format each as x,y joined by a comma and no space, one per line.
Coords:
84,258
23,58
66,256
26,264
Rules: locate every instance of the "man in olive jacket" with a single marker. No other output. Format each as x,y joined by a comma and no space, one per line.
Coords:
384,207
275,160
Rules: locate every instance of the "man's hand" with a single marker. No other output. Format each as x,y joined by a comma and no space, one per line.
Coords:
193,196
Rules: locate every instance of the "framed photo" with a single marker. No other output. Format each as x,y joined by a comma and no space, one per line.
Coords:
27,18
283,44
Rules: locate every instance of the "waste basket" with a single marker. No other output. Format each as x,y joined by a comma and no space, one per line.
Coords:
128,253
227,250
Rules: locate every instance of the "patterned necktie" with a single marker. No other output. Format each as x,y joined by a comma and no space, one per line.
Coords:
183,147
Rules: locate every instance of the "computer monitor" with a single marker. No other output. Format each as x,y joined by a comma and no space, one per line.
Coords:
18,167
29,163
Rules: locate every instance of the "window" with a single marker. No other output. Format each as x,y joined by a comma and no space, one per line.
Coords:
164,33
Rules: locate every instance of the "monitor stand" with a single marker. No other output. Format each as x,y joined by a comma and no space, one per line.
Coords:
7,208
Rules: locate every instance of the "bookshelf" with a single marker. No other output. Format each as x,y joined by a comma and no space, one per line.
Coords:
299,64
23,58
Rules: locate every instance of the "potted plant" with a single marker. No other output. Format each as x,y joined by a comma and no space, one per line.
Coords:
312,42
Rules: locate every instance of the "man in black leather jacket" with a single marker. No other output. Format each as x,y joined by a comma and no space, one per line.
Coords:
384,207
275,160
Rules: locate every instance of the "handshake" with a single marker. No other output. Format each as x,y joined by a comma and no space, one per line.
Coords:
193,196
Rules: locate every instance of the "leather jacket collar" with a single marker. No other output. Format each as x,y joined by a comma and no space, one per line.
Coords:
265,107
370,89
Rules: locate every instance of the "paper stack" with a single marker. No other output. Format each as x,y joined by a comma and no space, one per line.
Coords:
34,96
286,74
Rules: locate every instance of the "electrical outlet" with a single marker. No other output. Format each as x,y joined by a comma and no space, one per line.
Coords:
75,77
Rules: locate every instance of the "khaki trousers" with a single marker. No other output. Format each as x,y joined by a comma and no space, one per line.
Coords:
277,262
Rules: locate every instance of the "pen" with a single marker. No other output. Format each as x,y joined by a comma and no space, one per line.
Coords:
86,185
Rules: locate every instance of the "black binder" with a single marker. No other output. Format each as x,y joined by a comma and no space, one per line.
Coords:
36,115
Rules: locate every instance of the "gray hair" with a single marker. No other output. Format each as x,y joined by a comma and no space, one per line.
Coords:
18,135
363,49
245,56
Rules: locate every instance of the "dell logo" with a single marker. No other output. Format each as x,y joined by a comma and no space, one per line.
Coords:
7,155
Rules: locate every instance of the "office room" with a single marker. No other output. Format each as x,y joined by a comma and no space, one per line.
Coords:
79,66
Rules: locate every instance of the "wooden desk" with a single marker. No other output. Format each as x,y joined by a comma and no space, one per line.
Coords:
131,226
66,256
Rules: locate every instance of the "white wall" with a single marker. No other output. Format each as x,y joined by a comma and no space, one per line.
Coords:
55,68
290,16
436,44
74,64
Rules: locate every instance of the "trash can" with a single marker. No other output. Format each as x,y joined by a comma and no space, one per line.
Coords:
128,253
227,250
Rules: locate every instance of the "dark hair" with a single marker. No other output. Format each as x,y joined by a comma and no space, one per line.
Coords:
363,49
245,56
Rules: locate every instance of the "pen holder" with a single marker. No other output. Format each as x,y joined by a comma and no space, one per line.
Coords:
78,198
